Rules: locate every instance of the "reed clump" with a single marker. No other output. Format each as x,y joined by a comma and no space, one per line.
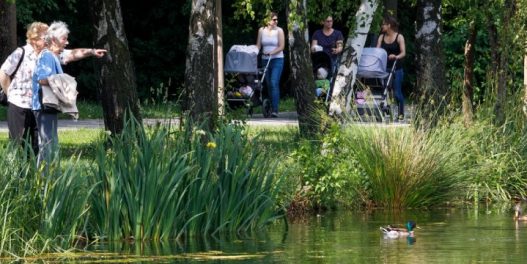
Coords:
164,184
406,167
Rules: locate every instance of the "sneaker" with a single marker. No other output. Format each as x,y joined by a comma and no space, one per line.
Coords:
274,114
400,118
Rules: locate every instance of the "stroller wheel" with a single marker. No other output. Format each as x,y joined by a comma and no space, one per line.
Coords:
266,107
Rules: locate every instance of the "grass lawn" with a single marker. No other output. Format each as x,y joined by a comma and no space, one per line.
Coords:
93,110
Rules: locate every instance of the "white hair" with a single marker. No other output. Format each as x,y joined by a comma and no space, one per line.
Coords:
56,30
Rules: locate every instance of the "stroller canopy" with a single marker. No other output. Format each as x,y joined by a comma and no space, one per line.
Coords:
372,63
321,59
242,59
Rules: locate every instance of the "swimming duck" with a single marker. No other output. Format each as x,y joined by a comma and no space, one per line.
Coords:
518,212
395,232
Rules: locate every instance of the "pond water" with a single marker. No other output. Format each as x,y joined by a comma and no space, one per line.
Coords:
444,236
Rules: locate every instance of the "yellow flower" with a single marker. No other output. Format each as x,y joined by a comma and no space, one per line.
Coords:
211,145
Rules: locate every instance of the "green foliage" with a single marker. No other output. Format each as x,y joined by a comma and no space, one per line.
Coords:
165,184
329,174
407,168
39,214
498,153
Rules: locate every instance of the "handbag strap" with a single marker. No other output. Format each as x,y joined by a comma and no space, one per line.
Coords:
19,62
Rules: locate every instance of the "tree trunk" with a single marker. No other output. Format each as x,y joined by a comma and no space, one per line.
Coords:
200,91
302,81
468,80
525,81
504,38
345,80
7,28
220,83
430,72
390,7
117,86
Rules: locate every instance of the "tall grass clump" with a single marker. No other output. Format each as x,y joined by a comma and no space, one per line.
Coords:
39,213
406,167
161,184
499,152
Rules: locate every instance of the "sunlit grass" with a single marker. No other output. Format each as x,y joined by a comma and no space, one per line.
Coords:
407,167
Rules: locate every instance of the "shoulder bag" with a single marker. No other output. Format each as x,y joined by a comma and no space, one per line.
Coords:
3,96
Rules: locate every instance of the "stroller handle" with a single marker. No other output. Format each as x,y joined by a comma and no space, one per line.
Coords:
265,70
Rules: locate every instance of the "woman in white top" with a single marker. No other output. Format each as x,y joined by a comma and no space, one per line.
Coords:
272,41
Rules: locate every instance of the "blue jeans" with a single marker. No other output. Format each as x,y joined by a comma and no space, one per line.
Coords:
398,90
272,80
48,139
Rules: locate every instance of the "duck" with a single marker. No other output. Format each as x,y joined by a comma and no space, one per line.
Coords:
391,231
518,212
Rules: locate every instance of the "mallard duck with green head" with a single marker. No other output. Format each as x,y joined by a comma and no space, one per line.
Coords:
391,231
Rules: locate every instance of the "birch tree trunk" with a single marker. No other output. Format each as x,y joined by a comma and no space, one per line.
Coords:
468,79
302,81
347,72
7,28
200,90
117,84
219,82
430,70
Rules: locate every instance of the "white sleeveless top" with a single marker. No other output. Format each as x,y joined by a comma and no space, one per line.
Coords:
269,42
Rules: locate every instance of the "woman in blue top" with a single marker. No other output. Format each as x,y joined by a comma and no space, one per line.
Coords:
48,64
271,40
393,42
331,41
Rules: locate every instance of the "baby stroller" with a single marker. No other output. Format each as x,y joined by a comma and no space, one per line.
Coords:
243,61
373,76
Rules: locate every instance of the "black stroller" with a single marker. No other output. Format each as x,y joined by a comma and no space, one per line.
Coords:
242,61
320,59
374,94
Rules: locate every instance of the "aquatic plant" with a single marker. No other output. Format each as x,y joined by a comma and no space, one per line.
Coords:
163,184
406,167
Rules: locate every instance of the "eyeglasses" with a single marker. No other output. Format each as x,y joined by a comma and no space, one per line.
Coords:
275,19
329,21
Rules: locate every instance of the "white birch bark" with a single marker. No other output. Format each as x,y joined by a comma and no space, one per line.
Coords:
347,72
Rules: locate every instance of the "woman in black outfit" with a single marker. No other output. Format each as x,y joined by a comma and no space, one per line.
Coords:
393,42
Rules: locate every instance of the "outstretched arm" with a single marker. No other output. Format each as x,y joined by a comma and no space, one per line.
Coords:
79,54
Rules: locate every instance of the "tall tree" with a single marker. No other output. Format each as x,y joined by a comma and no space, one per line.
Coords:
468,76
200,90
347,72
430,72
302,81
7,28
117,86
505,39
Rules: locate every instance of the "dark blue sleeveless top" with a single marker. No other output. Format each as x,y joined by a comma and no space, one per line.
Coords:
392,48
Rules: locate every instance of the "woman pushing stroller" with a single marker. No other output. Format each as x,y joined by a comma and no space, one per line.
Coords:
271,40
393,42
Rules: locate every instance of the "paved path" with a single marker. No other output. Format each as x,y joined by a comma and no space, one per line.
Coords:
285,119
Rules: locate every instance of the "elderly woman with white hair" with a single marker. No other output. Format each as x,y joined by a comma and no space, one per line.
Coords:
48,64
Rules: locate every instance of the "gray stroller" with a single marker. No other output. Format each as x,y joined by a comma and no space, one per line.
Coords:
374,95
242,61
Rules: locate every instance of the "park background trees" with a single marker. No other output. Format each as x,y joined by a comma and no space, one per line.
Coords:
157,33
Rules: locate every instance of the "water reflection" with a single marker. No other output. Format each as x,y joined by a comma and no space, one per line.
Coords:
445,236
